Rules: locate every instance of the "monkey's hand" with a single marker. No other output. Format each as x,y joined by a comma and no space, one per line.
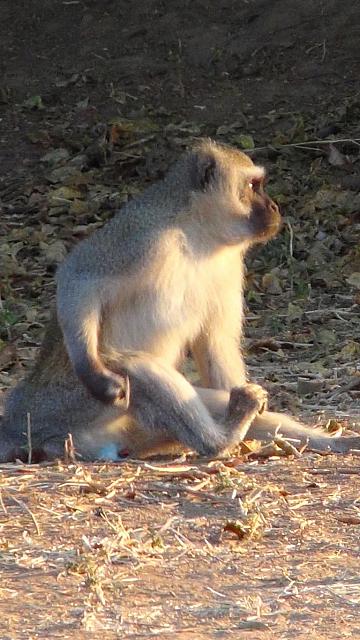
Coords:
245,404
107,386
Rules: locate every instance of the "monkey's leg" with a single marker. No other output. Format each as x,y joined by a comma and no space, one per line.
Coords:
163,409
216,351
161,399
131,438
240,407
245,403
220,364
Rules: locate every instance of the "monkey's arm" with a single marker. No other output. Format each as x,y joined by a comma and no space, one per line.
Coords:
79,313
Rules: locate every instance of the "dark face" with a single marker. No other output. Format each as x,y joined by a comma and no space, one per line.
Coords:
264,218
232,199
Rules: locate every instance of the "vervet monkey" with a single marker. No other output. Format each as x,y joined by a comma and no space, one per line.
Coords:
164,276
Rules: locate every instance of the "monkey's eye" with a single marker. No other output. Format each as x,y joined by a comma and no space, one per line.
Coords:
255,185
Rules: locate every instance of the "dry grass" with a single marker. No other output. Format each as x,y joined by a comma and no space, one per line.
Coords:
195,549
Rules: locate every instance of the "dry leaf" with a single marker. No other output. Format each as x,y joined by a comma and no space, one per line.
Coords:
349,519
354,279
335,157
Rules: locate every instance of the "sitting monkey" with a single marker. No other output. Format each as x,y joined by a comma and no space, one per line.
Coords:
165,275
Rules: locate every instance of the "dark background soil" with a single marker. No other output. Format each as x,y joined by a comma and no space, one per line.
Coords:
208,62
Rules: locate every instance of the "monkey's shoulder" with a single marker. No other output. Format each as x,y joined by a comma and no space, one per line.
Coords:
120,245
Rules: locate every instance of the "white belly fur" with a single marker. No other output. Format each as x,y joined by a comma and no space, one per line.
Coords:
170,306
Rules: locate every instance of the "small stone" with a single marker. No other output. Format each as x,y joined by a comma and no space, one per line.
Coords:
308,387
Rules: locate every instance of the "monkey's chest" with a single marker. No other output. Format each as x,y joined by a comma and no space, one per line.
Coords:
158,319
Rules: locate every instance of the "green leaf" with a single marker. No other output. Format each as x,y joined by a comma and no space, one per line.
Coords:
34,102
245,141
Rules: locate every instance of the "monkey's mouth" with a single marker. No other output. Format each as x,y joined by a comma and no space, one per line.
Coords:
265,223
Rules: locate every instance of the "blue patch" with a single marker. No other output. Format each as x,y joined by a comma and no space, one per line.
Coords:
109,451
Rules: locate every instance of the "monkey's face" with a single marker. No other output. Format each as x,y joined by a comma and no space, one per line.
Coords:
264,220
230,200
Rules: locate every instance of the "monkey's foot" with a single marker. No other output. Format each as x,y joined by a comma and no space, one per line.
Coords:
245,404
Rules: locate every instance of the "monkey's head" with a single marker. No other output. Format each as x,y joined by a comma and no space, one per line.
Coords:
228,196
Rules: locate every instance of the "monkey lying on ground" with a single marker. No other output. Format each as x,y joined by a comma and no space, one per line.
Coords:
165,275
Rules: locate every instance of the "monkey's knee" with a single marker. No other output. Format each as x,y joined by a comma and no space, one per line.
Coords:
245,404
245,400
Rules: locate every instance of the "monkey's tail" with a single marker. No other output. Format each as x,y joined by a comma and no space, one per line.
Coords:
268,423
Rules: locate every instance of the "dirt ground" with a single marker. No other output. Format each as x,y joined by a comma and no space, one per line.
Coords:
96,99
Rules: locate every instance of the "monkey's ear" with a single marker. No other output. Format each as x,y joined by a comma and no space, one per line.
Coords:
204,171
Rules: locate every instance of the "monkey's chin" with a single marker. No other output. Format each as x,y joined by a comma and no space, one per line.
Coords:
264,234
272,231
